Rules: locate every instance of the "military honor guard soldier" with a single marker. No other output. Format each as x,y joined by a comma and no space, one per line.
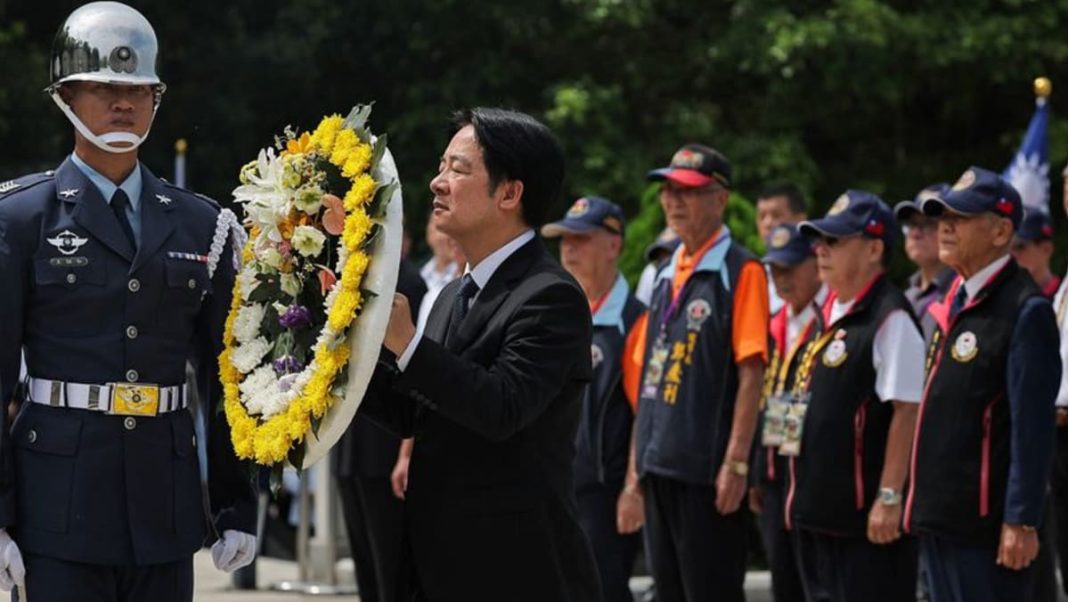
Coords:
976,516
112,278
1032,248
610,505
702,362
852,415
792,263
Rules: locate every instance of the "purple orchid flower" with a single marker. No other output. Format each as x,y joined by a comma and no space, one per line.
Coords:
287,365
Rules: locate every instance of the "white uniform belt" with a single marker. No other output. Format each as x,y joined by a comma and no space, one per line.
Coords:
135,399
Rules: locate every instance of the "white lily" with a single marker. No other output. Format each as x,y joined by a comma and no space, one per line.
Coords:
265,196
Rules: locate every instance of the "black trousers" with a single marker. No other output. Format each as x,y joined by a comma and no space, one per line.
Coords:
851,569
779,545
615,553
1059,492
697,554
374,519
52,580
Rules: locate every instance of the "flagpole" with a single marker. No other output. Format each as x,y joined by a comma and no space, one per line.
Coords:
1043,88
180,148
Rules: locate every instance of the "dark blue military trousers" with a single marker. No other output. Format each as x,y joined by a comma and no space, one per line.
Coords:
852,569
779,546
615,553
697,554
52,580
960,573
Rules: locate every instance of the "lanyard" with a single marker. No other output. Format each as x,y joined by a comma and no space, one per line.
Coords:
784,368
672,309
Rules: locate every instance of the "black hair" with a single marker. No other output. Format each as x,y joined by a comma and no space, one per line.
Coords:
794,199
515,146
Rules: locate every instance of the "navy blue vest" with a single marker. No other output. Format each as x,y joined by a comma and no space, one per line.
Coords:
684,422
963,499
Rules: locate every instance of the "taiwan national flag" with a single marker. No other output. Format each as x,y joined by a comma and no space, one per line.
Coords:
1029,170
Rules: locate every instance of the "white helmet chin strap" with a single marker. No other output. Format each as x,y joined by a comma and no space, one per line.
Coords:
105,142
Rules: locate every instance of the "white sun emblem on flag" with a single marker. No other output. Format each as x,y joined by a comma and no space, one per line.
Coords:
1031,180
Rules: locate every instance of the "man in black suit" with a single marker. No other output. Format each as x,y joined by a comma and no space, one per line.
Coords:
374,517
492,389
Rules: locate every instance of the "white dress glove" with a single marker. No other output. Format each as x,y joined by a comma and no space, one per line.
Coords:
234,550
12,571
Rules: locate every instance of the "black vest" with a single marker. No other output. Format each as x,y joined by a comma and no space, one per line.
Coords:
603,440
683,427
837,475
960,460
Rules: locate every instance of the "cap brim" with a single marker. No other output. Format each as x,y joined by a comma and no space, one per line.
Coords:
667,246
906,209
824,227
683,177
783,260
937,206
563,227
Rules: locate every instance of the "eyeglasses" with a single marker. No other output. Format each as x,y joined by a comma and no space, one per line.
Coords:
922,227
834,241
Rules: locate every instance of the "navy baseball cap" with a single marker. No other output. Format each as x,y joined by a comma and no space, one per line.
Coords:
855,212
695,165
906,209
666,242
787,247
1034,227
979,191
585,214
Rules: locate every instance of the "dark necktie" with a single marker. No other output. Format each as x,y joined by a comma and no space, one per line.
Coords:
958,301
468,289
119,201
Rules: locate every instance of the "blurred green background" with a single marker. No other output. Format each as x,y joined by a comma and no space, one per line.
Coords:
883,95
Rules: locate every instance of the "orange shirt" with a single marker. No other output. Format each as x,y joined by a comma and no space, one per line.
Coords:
749,321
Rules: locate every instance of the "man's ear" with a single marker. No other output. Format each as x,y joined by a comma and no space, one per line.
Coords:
511,192
1002,231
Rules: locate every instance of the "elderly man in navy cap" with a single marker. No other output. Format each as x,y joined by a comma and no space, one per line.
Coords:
984,438
792,263
610,504
849,427
932,277
1032,248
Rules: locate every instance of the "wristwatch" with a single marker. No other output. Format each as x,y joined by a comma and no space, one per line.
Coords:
738,467
888,496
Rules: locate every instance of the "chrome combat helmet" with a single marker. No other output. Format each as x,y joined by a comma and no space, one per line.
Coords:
106,42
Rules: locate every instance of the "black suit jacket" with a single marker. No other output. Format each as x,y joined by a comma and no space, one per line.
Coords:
490,510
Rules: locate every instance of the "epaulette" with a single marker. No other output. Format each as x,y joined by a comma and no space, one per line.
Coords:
186,191
25,182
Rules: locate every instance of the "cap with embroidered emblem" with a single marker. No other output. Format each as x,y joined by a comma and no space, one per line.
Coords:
978,191
694,166
854,212
585,214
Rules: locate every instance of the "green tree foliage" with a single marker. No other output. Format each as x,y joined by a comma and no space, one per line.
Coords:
885,95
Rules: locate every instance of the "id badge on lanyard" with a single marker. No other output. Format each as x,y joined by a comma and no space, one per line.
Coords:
654,369
775,420
794,425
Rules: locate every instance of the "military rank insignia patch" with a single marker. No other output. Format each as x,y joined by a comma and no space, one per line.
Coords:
8,186
966,347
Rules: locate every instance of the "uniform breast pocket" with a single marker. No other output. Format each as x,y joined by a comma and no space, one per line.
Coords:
187,282
69,294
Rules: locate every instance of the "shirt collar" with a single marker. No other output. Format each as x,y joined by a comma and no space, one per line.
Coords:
485,269
712,261
131,185
431,274
979,279
611,312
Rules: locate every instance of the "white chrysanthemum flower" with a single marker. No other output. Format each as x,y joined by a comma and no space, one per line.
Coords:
247,278
256,389
308,241
248,321
248,356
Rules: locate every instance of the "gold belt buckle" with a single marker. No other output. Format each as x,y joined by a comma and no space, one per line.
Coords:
134,399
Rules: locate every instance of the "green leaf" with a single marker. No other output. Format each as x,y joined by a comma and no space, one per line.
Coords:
378,204
296,457
376,229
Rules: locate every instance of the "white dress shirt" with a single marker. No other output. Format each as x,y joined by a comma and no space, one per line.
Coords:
796,323
898,355
481,274
1060,305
